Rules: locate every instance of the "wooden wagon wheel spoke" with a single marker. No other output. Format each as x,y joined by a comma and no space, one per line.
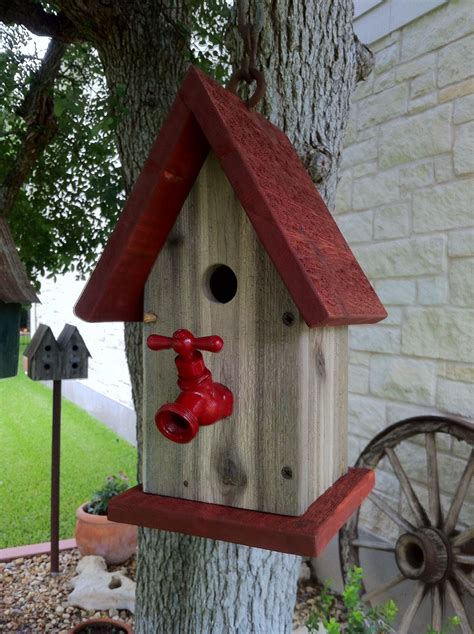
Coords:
458,608
412,609
464,581
369,596
436,608
427,549
459,558
458,499
434,498
413,501
373,545
391,513
463,537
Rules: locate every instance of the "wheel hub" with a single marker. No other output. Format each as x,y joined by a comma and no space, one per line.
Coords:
424,555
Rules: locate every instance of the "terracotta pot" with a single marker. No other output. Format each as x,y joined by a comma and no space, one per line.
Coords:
96,535
101,626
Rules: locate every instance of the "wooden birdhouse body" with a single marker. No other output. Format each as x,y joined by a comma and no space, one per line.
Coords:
224,234
285,443
48,359
42,357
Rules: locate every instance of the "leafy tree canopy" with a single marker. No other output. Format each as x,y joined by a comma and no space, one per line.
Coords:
72,195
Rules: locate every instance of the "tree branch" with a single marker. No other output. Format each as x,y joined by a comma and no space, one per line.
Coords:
31,15
38,111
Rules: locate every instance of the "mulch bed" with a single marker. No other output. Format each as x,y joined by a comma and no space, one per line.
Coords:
33,601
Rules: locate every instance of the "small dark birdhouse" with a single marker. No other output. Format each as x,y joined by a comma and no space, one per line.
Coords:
46,359
15,290
225,235
74,354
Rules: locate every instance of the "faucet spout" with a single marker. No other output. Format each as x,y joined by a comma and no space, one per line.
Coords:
201,401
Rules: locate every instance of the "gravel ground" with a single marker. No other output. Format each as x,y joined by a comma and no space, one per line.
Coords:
33,602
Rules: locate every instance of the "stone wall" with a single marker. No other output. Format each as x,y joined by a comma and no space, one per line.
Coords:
406,205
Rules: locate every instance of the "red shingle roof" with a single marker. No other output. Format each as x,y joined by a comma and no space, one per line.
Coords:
279,197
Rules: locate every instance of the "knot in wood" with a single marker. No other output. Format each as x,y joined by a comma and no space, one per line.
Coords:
318,163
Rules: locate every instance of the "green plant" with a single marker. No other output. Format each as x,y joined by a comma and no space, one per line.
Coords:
360,619
452,623
101,498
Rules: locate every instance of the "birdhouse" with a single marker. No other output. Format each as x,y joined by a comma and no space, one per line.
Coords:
74,354
227,249
48,359
15,290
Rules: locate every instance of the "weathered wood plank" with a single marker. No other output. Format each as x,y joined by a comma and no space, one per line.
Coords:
307,535
285,444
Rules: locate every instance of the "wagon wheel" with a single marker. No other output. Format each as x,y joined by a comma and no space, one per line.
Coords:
431,548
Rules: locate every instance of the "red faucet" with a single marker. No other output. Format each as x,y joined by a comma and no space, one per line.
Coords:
201,401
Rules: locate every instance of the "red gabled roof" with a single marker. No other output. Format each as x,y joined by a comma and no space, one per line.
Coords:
279,197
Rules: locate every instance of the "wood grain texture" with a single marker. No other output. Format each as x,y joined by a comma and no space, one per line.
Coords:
285,443
15,286
307,535
284,207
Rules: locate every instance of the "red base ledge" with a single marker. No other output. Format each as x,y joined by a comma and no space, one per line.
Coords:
306,535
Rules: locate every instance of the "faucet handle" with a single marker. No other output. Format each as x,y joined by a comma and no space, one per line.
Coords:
184,343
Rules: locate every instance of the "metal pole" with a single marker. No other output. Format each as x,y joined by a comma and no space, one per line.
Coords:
55,465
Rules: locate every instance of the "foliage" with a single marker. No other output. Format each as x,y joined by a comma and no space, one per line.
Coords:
65,212
101,498
451,625
69,205
89,451
360,619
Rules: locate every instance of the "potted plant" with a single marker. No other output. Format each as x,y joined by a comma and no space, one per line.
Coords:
95,534
102,626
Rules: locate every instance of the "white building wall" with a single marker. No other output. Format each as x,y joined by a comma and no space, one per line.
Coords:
405,203
106,393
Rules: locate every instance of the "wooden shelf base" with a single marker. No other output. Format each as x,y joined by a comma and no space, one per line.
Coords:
305,535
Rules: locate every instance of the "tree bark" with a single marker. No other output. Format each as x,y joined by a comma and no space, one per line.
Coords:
190,585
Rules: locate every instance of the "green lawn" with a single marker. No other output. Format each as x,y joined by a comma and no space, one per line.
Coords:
89,452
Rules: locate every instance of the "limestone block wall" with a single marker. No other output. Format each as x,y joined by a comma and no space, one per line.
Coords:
406,205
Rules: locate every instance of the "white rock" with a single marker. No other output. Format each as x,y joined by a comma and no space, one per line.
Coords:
416,176
439,333
416,67
384,81
358,379
96,589
371,192
461,282
444,170
464,109
364,169
436,28
359,358
392,221
423,84
422,103
397,412
359,153
375,338
356,227
397,292
403,379
366,416
415,137
382,106
394,317
386,58
432,291
397,258
430,206
461,243
344,194
463,153
305,572
455,397
456,61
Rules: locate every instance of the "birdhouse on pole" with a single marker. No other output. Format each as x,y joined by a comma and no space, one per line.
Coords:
15,290
227,252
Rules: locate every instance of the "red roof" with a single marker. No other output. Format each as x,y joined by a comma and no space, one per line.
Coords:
279,197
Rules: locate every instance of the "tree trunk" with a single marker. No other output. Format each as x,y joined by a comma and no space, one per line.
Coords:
190,585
